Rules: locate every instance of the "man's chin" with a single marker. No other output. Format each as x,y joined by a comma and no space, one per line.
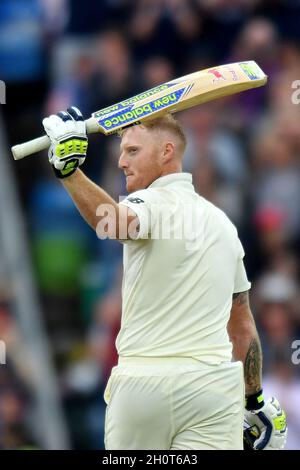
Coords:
131,186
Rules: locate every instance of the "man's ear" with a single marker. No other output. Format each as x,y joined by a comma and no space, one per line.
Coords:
168,152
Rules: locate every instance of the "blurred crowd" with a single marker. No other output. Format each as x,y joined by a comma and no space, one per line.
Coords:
243,152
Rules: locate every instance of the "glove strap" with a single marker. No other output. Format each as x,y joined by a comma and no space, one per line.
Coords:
70,168
255,401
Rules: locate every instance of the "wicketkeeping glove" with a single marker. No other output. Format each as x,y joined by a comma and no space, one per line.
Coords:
267,424
67,132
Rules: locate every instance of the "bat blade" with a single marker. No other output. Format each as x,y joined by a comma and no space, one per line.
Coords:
180,94
176,95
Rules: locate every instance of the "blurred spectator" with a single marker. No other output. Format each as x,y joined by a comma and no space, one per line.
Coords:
15,384
82,384
258,41
172,29
223,22
216,157
276,182
283,382
55,15
87,20
155,71
104,331
113,77
276,296
21,41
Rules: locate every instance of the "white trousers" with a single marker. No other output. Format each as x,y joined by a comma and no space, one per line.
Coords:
174,403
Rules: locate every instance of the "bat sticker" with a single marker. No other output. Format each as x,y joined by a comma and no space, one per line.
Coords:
250,70
217,74
131,101
125,116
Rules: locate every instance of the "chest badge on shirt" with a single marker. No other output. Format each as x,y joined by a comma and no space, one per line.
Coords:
135,200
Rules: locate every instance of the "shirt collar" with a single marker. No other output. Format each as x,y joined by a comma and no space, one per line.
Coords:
172,178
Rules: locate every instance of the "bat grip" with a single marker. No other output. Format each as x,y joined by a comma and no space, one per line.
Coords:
36,145
41,143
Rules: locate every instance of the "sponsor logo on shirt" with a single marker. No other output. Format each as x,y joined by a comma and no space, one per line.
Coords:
135,200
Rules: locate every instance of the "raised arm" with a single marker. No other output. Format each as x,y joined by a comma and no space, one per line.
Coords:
69,143
94,203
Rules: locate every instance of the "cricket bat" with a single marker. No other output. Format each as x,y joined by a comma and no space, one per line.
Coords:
176,95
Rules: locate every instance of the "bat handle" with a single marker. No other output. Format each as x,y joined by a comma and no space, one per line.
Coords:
41,143
27,148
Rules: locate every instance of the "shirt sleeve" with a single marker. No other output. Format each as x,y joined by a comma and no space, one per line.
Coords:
241,283
145,203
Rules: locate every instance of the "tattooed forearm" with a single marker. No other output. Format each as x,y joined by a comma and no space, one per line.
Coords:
252,367
245,341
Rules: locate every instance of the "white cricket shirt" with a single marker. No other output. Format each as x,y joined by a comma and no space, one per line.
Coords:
179,275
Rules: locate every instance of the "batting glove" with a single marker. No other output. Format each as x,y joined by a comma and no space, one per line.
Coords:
267,423
67,132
